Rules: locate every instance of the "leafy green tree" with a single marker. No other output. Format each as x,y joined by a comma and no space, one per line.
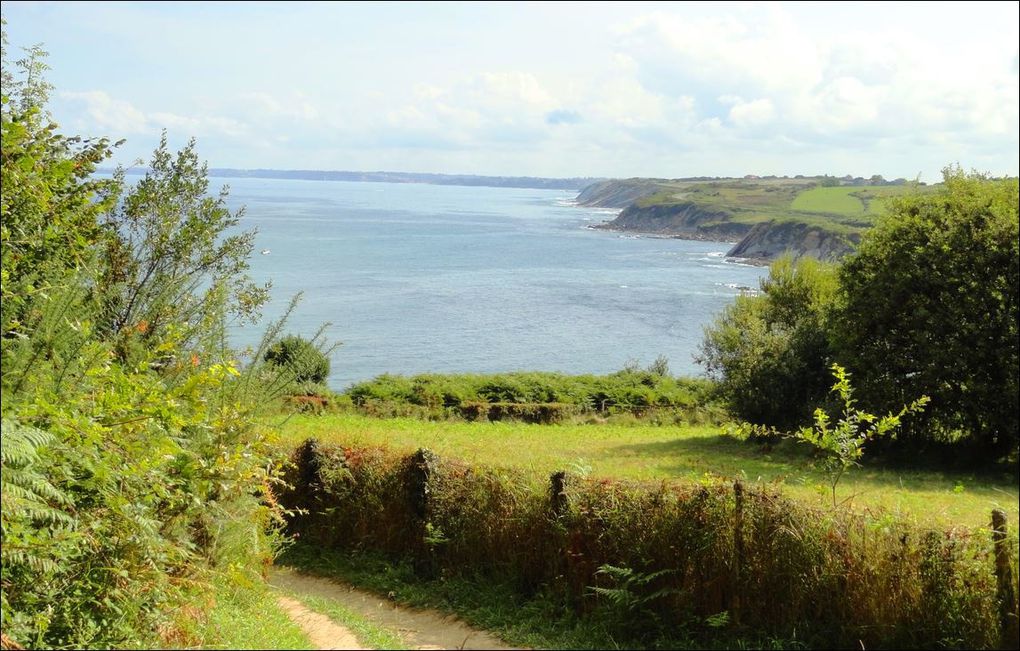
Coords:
50,206
928,306
173,251
770,352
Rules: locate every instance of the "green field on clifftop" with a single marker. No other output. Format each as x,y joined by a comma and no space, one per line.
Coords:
841,207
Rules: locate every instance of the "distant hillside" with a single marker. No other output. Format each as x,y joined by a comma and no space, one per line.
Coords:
821,217
402,177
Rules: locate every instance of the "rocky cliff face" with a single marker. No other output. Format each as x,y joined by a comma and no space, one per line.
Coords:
682,220
672,215
616,193
769,240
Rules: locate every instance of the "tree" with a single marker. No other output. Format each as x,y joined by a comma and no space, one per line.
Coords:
928,306
174,251
770,352
50,204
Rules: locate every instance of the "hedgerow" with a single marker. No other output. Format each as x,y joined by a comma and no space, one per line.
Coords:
679,559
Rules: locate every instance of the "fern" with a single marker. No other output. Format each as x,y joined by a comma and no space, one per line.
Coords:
632,588
29,500
25,491
631,604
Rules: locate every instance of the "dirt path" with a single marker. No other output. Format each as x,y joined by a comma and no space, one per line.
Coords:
420,629
321,630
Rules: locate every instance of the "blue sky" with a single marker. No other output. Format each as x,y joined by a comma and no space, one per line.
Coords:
577,89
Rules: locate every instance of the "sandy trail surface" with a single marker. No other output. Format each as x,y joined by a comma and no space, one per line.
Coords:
420,629
321,630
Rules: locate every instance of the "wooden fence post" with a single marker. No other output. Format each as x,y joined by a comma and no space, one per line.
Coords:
558,494
1004,582
421,467
420,470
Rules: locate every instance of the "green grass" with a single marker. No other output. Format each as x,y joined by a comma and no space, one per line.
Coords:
246,616
862,203
839,200
838,209
675,452
368,634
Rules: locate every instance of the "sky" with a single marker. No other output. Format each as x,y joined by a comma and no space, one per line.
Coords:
561,90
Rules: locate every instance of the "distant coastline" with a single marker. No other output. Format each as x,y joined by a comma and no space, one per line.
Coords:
821,217
536,182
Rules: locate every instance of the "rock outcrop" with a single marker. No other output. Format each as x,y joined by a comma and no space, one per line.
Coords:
753,216
689,221
616,193
769,240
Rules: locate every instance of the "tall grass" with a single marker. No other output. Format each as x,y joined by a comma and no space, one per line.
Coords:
696,557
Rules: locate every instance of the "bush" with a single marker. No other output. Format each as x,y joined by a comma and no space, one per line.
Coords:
300,357
135,470
540,396
770,353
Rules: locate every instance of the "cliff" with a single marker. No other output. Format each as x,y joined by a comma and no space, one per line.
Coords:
767,241
617,193
686,220
767,217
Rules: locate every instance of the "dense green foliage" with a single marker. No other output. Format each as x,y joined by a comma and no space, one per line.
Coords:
686,553
301,358
929,306
133,463
176,263
537,397
770,352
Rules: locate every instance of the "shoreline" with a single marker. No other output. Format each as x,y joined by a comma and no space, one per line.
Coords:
751,262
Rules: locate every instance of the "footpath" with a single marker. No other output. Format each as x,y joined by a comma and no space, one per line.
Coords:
419,629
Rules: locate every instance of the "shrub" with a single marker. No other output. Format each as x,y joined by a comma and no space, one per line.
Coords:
844,443
770,353
134,467
634,391
300,357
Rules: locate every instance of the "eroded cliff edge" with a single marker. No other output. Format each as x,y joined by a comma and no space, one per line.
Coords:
753,215
768,240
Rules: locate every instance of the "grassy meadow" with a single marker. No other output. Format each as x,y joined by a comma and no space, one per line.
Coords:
841,209
689,453
841,200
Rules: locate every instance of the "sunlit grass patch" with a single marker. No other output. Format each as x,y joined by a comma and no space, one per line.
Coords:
674,452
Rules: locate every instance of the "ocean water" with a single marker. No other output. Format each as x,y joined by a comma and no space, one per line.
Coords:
428,278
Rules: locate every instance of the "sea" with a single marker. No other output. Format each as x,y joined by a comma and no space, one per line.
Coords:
415,278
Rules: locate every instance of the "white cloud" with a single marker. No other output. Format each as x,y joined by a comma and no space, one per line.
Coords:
818,91
199,126
296,106
108,113
752,114
683,89
123,118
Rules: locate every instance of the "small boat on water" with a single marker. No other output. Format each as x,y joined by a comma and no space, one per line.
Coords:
265,251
